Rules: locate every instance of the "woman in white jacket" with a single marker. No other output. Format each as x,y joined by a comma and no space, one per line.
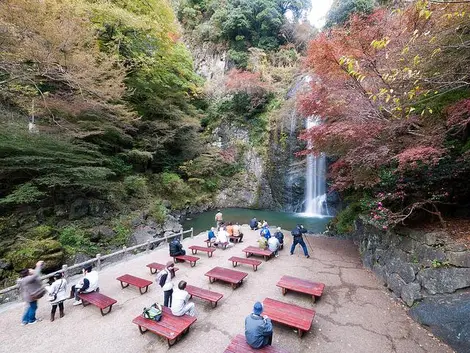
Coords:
164,277
57,294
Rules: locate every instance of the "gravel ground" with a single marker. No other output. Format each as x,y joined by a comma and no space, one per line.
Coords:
355,313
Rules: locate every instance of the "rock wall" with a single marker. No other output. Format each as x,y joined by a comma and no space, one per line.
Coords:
415,264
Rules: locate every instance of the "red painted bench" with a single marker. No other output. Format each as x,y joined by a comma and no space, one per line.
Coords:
170,327
191,259
235,260
140,283
289,314
208,243
97,299
239,345
300,285
235,278
195,248
155,267
205,294
235,238
253,250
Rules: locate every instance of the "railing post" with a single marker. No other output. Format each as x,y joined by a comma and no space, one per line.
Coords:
147,248
181,235
98,262
124,248
192,232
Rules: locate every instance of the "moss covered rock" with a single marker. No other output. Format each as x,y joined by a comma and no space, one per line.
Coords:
27,253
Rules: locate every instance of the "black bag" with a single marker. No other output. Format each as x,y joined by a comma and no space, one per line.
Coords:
163,279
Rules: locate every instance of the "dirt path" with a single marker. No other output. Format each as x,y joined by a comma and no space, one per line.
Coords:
355,314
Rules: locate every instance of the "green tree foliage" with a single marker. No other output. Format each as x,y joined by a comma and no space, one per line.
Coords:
341,10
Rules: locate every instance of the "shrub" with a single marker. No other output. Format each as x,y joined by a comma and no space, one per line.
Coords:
136,185
158,211
74,239
26,193
344,220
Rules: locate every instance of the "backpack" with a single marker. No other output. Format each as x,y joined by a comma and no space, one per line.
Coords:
296,233
153,313
163,279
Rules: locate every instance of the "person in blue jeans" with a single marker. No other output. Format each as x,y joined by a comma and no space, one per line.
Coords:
30,285
298,239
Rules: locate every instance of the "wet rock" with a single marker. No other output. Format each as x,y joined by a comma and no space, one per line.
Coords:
444,280
410,293
79,208
447,317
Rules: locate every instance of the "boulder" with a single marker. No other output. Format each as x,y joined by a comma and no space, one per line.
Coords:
444,280
395,283
459,259
97,208
141,235
5,264
447,317
410,293
101,233
79,208
436,238
427,254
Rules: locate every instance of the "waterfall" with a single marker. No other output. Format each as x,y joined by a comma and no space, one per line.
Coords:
315,191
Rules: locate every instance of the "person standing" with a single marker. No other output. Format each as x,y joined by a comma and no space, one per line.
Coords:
181,305
258,329
298,239
219,219
57,294
280,236
88,284
164,277
31,290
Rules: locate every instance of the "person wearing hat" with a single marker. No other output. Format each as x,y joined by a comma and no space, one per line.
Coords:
88,284
298,239
280,236
176,248
57,294
258,329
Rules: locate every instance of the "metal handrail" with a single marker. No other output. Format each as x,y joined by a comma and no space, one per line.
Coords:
100,258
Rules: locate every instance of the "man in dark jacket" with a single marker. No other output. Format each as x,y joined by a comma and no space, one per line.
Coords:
298,239
176,248
254,224
258,329
280,236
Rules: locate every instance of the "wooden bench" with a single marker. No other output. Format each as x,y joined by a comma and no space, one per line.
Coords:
235,260
235,278
97,299
191,259
300,285
170,327
140,283
235,238
195,248
205,294
253,250
239,345
289,314
155,267
208,243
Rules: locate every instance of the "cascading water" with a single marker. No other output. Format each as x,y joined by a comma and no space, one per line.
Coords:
315,191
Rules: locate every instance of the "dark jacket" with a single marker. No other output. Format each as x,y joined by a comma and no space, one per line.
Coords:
280,236
176,248
298,231
253,223
256,327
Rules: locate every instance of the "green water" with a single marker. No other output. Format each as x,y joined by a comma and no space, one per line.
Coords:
203,221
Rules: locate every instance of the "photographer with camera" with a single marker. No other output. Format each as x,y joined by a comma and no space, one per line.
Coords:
298,239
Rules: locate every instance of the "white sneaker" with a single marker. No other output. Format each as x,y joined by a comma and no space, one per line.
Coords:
77,302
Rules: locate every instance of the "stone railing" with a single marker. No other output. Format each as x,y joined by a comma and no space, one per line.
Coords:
11,293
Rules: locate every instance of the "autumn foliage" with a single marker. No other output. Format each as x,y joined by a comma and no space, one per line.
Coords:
392,92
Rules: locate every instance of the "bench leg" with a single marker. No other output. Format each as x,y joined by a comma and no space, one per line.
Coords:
194,252
124,286
255,267
109,310
212,280
171,342
142,331
313,298
85,303
153,270
284,291
146,289
193,263
247,254
234,264
214,304
209,254
301,332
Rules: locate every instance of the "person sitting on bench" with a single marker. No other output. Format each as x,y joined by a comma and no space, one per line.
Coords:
211,235
222,238
176,248
236,232
229,229
258,329
254,224
88,284
274,245
180,305
262,242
